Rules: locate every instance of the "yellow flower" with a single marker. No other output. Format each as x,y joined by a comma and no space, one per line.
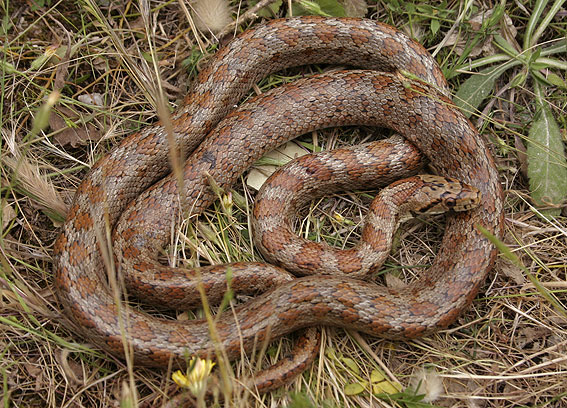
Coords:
341,219
197,373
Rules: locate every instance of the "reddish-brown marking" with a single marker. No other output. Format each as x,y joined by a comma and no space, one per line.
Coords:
348,261
375,237
88,286
309,256
275,241
77,254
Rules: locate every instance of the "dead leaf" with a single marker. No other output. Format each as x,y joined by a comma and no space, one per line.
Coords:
62,119
8,214
92,99
509,32
73,370
280,156
355,8
394,282
456,38
35,371
512,272
101,64
532,336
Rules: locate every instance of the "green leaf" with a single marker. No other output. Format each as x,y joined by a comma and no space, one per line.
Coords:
376,376
536,66
425,9
7,68
354,388
475,89
147,56
380,384
547,166
556,80
557,47
535,55
6,25
351,364
325,8
40,61
41,119
534,17
386,387
434,26
543,79
518,80
551,12
505,45
299,400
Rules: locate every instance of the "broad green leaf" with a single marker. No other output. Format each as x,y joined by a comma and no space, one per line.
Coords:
386,387
376,376
380,384
547,166
543,79
331,353
479,86
351,364
354,388
434,26
556,80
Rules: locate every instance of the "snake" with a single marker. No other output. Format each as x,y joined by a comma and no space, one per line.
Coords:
128,196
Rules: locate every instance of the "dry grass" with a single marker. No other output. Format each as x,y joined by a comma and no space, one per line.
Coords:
508,349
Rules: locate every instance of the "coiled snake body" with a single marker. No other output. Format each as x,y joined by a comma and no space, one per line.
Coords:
417,110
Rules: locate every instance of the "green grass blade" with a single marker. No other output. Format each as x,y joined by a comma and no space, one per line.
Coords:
534,18
547,19
504,250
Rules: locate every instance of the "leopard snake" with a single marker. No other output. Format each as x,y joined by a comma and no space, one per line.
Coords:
399,86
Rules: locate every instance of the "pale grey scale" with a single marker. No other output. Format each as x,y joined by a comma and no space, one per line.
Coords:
328,259
269,223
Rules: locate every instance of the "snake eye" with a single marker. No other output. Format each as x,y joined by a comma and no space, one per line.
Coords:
450,202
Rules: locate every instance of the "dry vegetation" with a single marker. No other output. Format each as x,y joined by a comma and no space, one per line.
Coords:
77,78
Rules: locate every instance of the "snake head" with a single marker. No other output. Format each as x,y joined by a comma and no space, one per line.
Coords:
437,194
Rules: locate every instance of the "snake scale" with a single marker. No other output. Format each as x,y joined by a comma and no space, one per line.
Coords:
378,95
